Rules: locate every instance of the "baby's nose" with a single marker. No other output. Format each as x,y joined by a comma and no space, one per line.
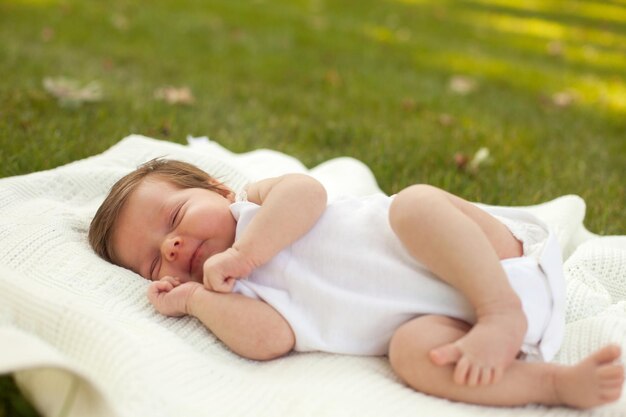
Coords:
171,247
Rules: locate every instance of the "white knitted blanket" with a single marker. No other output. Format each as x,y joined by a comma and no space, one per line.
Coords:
83,340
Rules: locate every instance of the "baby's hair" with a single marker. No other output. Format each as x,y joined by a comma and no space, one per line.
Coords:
178,173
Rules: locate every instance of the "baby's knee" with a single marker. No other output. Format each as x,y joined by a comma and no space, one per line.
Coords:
403,342
410,346
410,202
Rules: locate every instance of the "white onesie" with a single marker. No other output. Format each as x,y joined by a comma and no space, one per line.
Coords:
349,283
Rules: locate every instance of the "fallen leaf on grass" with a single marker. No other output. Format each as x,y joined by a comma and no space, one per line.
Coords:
445,119
120,22
460,160
563,99
480,158
107,64
47,34
175,95
409,104
69,92
462,85
555,48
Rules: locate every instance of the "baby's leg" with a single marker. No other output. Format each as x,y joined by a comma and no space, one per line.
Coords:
594,381
463,245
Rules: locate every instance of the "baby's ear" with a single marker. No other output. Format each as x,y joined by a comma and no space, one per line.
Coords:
225,192
222,189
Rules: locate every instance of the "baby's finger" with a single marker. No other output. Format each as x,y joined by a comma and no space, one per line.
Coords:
154,290
212,282
225,285
229,284
172,280
164,286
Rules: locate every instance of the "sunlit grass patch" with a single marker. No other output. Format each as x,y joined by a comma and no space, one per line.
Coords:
603,11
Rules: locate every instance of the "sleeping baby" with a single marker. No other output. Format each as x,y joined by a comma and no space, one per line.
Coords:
466,301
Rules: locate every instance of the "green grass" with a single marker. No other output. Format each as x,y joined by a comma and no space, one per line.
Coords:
319,79
12,404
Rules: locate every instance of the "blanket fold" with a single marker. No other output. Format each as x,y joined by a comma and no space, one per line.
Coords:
82,338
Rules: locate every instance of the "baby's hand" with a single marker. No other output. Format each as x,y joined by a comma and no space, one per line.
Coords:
222,269
169,296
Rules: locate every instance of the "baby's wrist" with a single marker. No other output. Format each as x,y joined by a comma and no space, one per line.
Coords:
192,300
246,257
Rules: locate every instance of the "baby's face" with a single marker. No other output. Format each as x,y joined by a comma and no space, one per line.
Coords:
164,230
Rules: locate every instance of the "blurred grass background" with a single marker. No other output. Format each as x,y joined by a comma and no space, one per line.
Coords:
413,88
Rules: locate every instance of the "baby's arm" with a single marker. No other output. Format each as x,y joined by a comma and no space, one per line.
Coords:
249,327
290,206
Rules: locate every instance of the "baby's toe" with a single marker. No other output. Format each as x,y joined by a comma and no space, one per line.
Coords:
487,376
474,375
461,371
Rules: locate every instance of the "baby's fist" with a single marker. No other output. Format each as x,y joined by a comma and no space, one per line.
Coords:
169,297
223,269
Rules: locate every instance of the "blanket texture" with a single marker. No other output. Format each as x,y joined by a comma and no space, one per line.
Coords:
82,339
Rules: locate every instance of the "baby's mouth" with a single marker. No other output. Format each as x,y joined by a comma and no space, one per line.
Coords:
194,261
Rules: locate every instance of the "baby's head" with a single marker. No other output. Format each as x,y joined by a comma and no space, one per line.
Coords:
180,174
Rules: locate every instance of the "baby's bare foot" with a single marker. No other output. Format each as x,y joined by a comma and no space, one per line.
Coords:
482,355
596,380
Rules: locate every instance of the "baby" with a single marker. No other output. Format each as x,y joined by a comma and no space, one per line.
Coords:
467,301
